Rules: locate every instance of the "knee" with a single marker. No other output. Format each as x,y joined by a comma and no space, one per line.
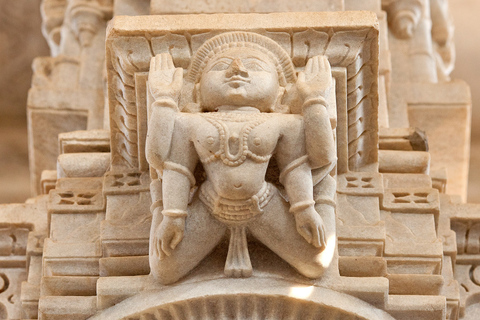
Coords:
318,263
163,272
165,276
311,269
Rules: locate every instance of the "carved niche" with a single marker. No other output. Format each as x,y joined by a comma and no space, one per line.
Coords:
350,47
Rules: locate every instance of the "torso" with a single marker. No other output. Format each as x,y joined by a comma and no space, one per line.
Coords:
235,148
233,138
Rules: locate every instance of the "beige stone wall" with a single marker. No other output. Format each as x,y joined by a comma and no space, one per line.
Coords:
467,39
21,40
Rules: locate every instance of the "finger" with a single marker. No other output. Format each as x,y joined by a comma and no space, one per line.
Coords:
323,239
156,247
170,61
164,61
166,248
158,62
152,64
327,67
176,240
315,65
308,67
321,61
301,76
178,76
161,254
316,238
305,233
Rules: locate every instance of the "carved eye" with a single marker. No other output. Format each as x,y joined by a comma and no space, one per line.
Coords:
210,140
257,141
253,65
220,66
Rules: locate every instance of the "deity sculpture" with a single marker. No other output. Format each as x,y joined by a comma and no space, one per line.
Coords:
240,82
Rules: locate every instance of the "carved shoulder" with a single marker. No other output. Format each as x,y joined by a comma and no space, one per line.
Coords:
292,125
291,145
185,124
182,150
168,136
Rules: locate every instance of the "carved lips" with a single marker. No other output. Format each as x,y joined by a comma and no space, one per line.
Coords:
237,81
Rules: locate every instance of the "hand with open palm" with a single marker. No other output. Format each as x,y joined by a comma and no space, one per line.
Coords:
316,79
165,81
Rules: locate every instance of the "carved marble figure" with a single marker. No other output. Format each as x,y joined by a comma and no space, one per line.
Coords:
240,80
255,147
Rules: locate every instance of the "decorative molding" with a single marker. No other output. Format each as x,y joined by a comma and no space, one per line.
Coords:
255,299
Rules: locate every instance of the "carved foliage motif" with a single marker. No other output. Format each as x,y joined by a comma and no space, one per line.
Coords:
352,50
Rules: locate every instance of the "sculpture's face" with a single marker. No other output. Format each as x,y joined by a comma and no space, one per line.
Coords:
239,77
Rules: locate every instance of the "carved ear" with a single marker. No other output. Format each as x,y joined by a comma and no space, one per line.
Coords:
196,93
281,92
277,105
292,99
278,100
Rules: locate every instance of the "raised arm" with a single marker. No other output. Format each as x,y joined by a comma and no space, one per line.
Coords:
169,150
313,85
164,83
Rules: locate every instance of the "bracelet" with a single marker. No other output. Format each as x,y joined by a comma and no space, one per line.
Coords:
155,205
299,206
325,200
292,166
165,103
319,100
175,213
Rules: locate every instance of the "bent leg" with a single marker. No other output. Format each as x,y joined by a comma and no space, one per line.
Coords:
276,229
202,235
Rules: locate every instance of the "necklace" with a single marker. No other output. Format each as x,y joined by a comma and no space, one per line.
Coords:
239,142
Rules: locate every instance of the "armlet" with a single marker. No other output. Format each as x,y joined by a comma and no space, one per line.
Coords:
291,166
168,165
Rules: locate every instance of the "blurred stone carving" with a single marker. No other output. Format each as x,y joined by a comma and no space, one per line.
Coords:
404,16
67,87
442,35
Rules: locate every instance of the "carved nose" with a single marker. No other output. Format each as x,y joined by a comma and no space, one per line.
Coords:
237,68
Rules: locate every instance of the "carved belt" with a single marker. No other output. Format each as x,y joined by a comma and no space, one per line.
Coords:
235,211
235,214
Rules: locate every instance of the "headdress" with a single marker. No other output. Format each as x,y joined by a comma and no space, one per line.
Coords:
239,39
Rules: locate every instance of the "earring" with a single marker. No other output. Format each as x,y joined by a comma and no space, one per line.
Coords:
277,105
